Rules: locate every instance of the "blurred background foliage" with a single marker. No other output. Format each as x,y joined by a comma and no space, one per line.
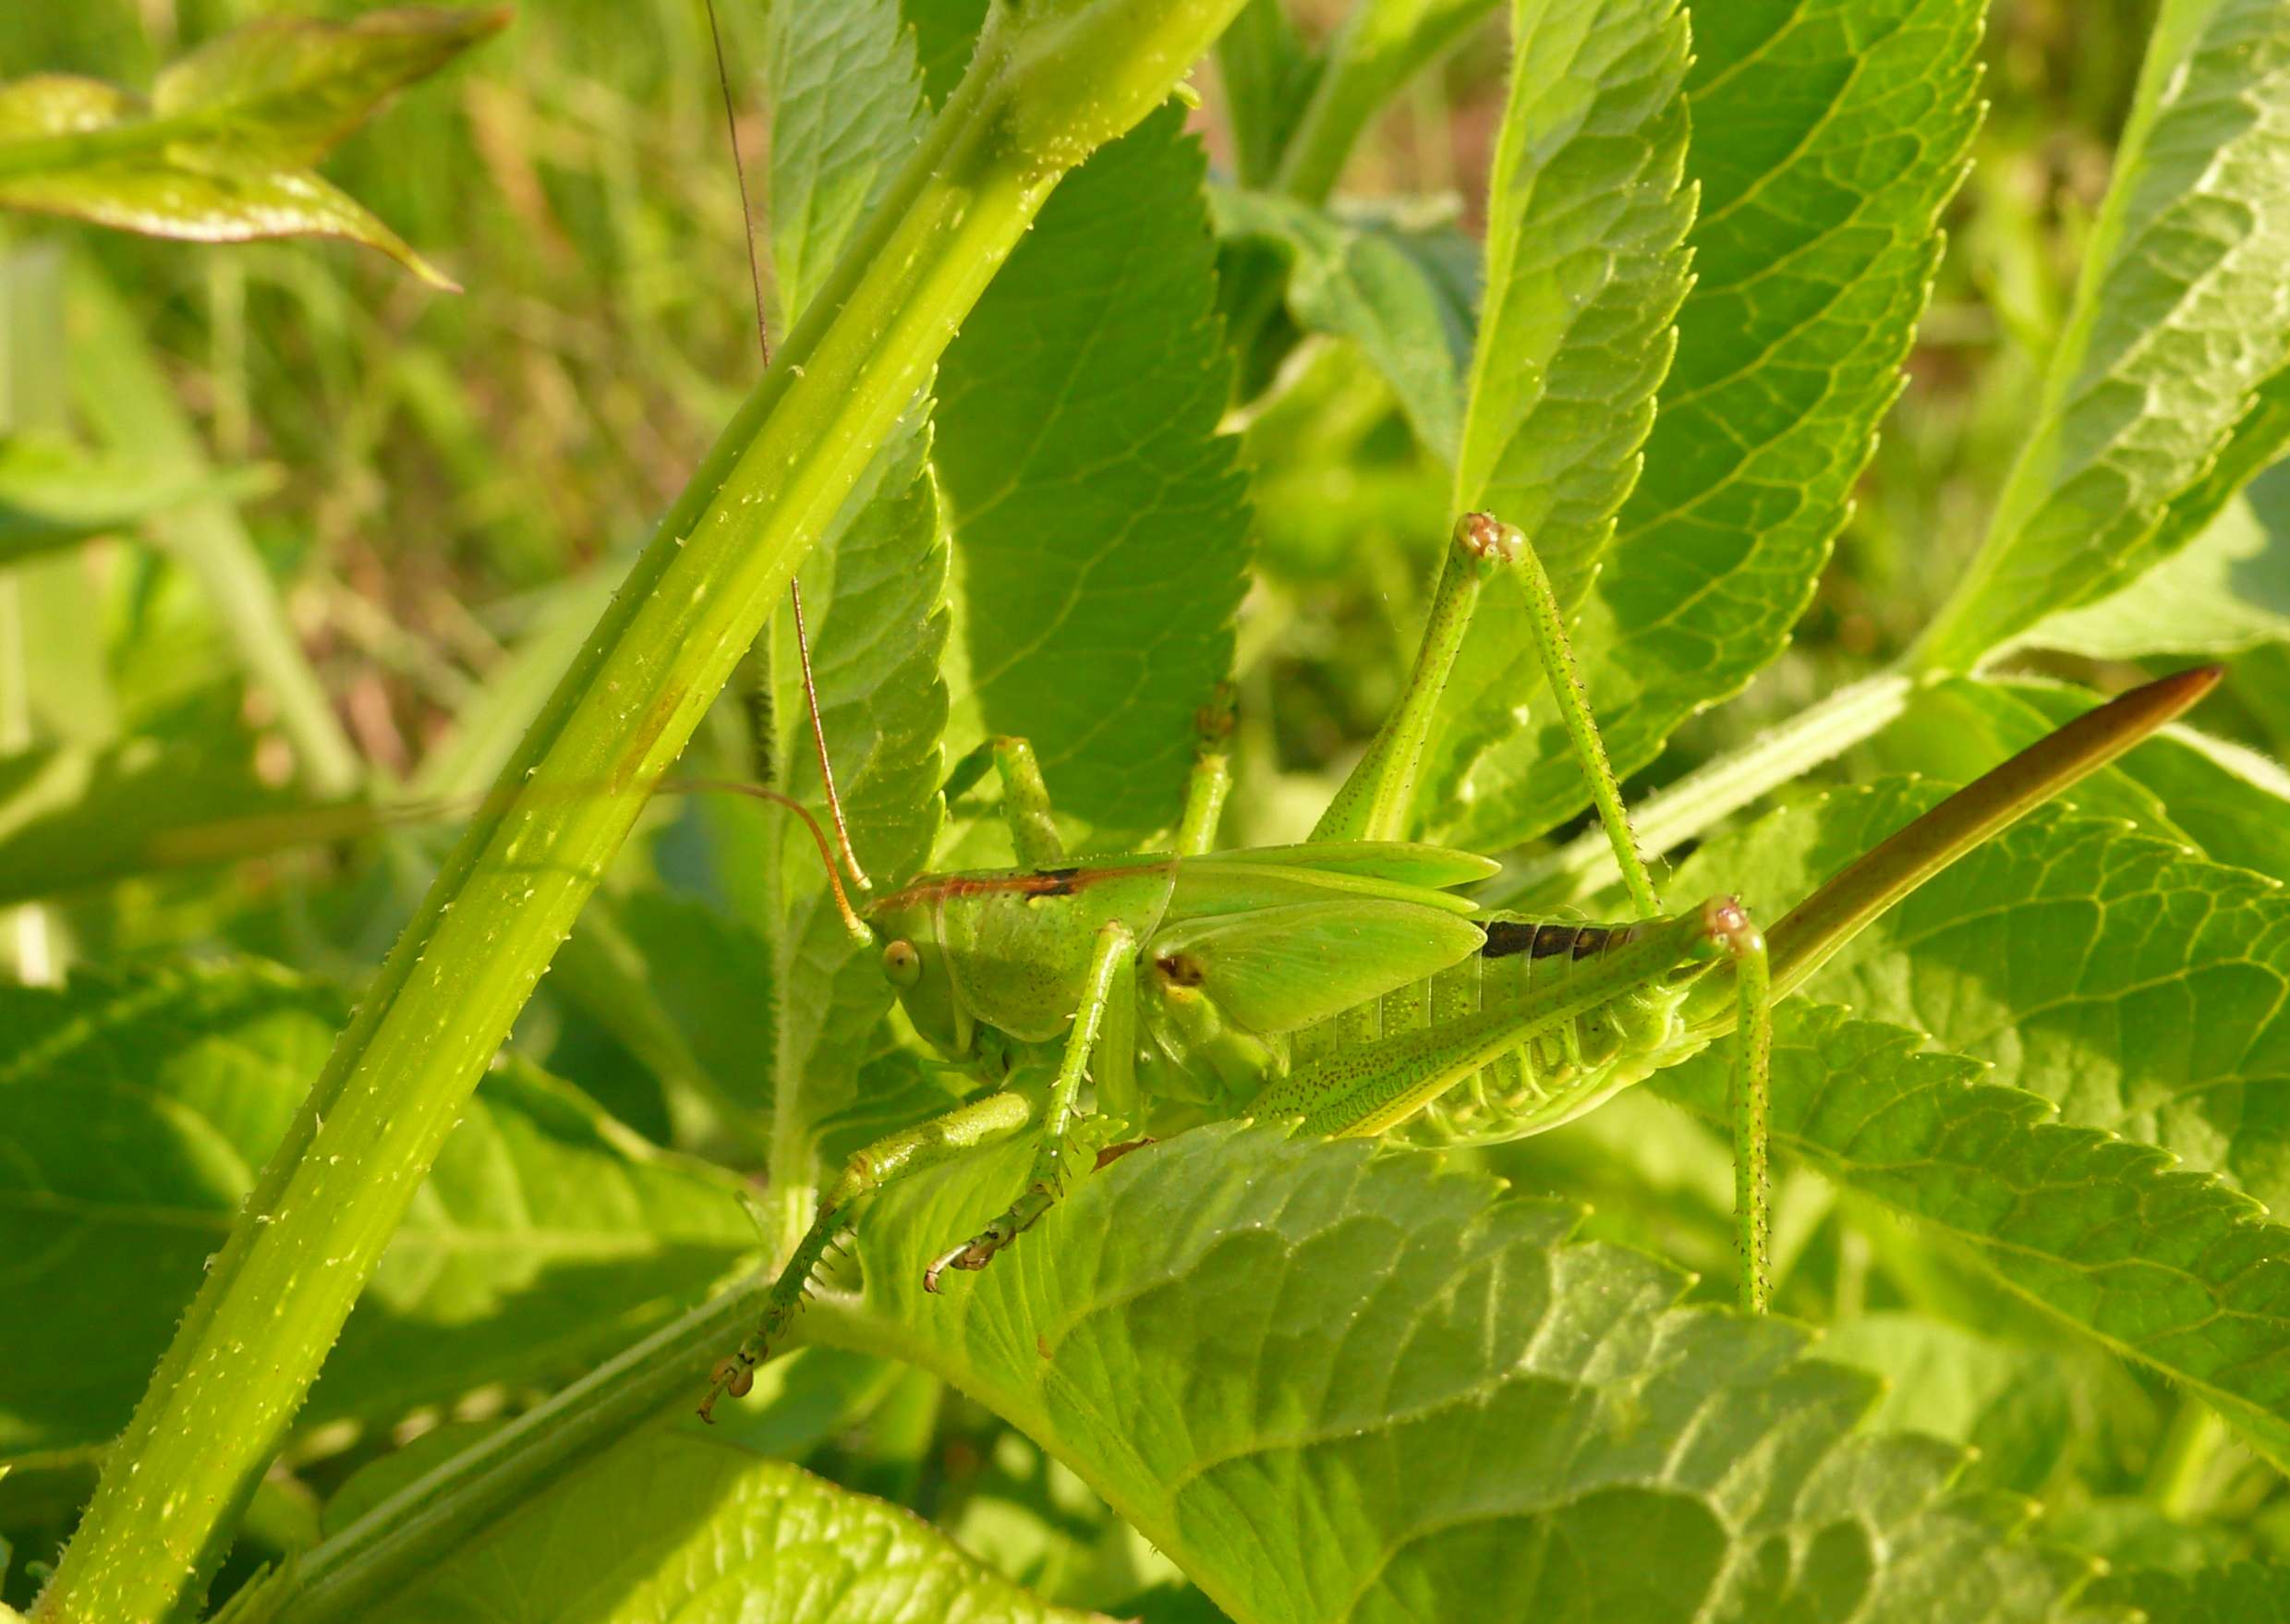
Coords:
442,491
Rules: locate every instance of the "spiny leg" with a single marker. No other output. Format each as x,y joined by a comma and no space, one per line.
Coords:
1111,979
1751,1095
894,1156
1025,805
1574,711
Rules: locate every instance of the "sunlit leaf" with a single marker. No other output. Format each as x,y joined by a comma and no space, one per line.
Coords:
223,151
846,108
2226,590
2182,785
1334,1383
1827,136
2134,983
2166,1266
2180,315
672,1526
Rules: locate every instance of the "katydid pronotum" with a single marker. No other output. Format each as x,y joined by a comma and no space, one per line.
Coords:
1342,985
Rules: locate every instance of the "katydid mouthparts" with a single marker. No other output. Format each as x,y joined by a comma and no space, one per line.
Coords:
1341,984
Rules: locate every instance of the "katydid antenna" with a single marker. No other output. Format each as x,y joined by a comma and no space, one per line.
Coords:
763,345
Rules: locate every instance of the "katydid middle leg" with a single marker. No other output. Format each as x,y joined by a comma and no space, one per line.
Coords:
1112,984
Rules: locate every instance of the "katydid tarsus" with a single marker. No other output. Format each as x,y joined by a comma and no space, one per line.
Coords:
1341,984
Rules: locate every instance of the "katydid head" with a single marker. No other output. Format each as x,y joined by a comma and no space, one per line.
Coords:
915,965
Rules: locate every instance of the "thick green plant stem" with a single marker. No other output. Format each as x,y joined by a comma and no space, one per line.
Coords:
1053,79
456,1502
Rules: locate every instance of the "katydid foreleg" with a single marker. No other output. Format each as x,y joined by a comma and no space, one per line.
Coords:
974,1126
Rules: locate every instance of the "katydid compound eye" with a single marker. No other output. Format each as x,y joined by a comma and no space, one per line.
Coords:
902,964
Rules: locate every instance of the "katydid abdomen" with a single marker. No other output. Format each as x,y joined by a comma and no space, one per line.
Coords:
1569,1060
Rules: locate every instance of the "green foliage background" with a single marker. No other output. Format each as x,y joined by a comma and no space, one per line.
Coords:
1849,399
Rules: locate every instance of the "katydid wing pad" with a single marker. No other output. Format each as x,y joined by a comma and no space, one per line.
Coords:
1278,968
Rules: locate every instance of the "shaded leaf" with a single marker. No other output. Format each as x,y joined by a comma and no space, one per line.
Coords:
2183,312
846,109
2247,1592
1334,1383
1403,295
223,153
2169,1267
1101,524
1828,137
1265,72
668,1525
946,33
2025,1411
135,1110
876,597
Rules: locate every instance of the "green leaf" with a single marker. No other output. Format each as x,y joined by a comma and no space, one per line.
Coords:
53,494
1265,72
668,1525
72,818
2029,1412
1331,1383
2132,982
1585,267
876,595
2225,590
2179,316
1828,137
135,1109
2247,1592
224,151
847,110
2180,784
946,35
1100,522
2169,1267
1403,294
